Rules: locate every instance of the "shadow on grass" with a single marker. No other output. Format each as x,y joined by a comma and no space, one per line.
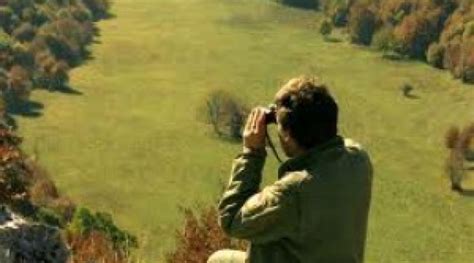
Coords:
30,109
301,4
467,192
412,96
68,90
332,39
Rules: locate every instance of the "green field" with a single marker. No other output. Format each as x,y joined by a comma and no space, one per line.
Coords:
132,144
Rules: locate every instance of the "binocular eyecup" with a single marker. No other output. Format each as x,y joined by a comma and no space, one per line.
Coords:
270,114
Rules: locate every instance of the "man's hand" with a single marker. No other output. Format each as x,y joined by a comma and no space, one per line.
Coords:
255,130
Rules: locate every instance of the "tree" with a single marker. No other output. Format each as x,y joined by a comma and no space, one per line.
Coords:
383,39
451,137
225,113
435,55
98,8
362,22
25,32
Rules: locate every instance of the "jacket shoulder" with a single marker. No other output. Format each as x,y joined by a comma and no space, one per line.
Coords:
355,149
352,145
293,179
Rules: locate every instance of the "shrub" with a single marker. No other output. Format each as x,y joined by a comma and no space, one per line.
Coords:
455,170
5,41
18,5
20,82
465,138
98,8
451,137
84,222
49,217
23,56
51,74
337,11
412,36
13,176
25,32
452,57
383,40
435,55
225,113
362,22
325,28
66,39
200,237
42,192
5,17
94,247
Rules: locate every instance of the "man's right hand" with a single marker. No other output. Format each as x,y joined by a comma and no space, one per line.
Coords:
255,130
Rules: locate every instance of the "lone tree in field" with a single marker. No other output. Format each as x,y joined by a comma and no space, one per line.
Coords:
225,113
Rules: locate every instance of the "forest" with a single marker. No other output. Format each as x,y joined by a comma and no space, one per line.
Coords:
439,32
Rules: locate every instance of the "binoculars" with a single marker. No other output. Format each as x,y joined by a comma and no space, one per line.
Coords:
270,114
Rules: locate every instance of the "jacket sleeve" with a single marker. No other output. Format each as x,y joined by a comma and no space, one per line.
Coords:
258,216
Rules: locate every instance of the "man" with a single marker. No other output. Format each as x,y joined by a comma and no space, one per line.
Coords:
318,208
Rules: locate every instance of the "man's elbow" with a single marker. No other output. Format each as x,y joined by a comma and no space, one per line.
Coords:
229,228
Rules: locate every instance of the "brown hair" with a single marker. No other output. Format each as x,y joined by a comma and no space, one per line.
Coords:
307,110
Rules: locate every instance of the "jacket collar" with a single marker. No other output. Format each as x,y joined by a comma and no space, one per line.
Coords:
302,161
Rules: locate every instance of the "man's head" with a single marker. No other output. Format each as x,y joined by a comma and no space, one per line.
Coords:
306,114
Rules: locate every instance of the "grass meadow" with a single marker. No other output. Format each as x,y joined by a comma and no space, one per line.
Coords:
133,144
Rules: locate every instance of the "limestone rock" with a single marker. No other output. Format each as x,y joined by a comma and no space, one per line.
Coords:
22,241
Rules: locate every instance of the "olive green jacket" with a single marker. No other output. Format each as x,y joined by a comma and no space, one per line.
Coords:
316,211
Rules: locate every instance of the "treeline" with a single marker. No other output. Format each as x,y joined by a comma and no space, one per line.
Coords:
41,40
440,32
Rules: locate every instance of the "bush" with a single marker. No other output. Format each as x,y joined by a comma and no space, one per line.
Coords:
20,82
48,216
66,39
451,137
435,55
337,11
5,17
95,247
84,222
98,8
413,36
362,22
5,41
25,32
50,74
200,237
18,5
384,40
22,56
325,28
452,57
225,113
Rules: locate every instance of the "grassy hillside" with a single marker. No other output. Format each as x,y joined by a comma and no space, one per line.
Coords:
131,143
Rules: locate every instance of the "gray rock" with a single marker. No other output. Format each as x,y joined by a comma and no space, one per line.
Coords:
25,242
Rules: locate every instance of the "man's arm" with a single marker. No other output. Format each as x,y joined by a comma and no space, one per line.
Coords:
263,216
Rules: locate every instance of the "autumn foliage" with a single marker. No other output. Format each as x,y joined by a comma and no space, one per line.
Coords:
40,41
440,32
460,143
27,189
200,237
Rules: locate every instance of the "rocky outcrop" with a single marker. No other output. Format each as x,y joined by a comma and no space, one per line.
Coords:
25,242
